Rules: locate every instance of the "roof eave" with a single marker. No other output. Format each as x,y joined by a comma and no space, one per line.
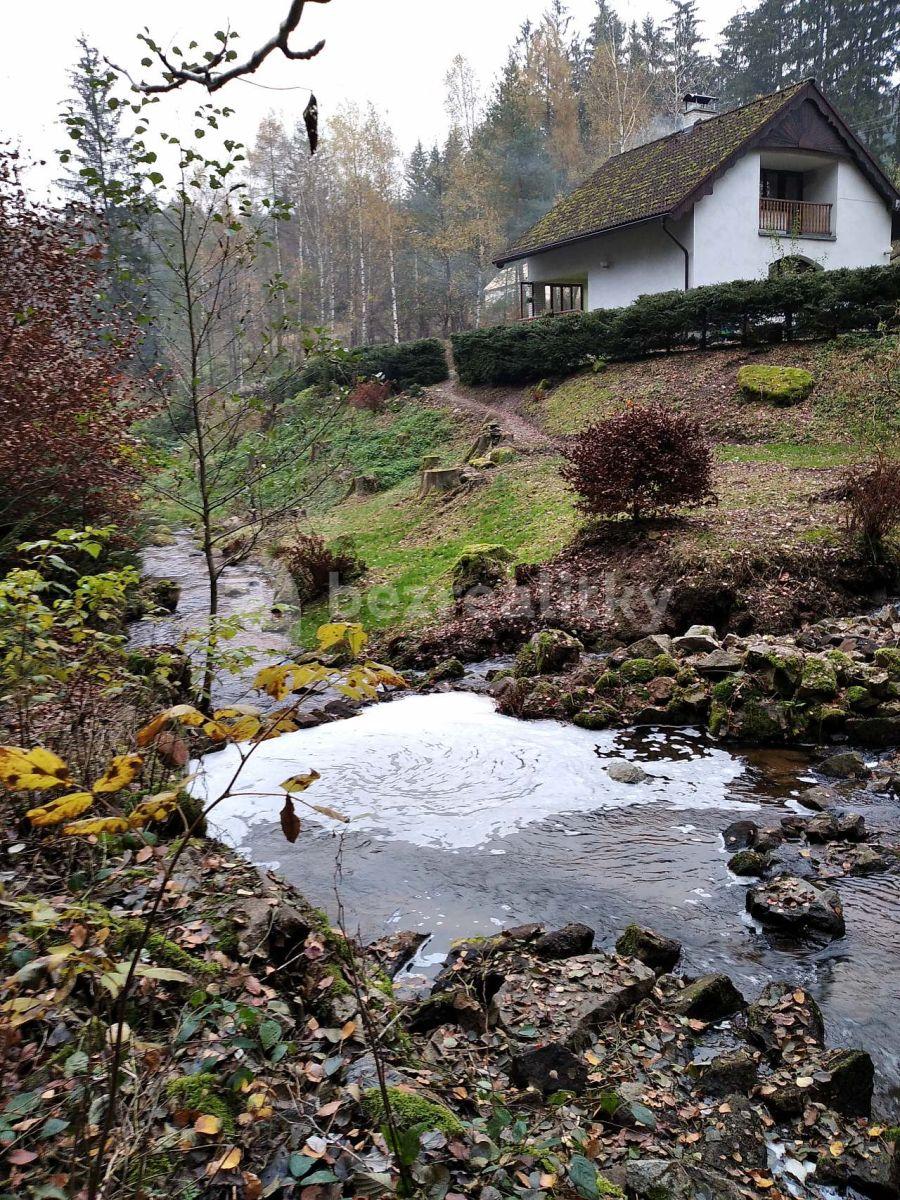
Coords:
505,259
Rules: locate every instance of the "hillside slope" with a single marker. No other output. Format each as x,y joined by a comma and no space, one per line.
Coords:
774,543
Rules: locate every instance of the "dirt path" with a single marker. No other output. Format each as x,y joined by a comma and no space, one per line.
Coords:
499,404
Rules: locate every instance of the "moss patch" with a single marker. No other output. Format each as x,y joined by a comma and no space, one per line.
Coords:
410,1111
775,385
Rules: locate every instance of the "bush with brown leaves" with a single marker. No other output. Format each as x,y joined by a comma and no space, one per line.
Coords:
642,462
370,394
871,493
314,565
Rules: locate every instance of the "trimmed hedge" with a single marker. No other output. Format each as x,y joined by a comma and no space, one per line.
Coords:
403,365
815,304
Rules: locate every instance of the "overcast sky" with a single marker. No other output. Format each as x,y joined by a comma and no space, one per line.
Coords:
392,52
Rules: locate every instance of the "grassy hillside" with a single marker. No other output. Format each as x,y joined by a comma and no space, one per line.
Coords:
855,401
410,545
775,476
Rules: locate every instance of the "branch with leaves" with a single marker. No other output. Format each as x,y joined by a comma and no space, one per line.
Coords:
213,72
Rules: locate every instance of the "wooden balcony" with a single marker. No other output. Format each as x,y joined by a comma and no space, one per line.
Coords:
794,218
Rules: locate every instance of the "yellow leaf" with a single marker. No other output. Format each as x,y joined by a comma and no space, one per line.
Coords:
299,783
153,808
240,729
207,1124
349,635
31,770
186,714
123,769
836,1149
63,808
94,825
386,675
876,1130
226,1162
236,710
280,680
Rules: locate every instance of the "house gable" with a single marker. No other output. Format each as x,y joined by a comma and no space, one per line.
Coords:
665,178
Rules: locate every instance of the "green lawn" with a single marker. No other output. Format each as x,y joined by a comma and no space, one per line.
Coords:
792,454
410,546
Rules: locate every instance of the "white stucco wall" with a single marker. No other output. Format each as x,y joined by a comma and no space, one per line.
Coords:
618,267
723,237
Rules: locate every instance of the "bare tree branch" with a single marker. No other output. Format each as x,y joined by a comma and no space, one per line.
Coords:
210,77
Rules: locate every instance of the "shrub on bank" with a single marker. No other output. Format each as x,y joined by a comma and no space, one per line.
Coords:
872,497
815,304
406,365
641,462
313,564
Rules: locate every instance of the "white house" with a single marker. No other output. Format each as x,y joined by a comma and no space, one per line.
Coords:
735,195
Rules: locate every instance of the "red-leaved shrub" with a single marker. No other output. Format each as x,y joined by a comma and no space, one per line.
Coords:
641,463
871,493
67,454
313,564
370,394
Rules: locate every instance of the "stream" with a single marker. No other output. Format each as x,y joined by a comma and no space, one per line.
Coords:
464,821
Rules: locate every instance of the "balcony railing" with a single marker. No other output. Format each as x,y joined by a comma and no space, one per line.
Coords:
794,218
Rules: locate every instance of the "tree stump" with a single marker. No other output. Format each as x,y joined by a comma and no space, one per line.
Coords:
430,462
490,436
365,485
440,479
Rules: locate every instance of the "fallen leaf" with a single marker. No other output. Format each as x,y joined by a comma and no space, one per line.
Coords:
208,1124
226,1162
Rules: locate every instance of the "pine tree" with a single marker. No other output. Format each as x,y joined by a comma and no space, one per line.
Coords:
688,68
851,48
99,179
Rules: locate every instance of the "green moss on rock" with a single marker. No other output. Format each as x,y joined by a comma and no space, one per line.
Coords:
888,659
601,716
638,670
547,652
411,1110
818,681
665,664
748,862
775,385
482,565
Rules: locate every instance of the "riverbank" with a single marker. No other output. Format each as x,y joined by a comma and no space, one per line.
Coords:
537,1063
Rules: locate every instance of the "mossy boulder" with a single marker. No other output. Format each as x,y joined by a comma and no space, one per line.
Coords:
546,700
449,669
547,652
709,998
665,664
600,716
775,385
482,566
654,950
411,1111
748,862
818,681
888,659
638,670
501,454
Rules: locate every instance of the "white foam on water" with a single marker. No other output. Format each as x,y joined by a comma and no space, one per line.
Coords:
448,771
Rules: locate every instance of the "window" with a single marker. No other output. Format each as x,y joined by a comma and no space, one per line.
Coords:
781,185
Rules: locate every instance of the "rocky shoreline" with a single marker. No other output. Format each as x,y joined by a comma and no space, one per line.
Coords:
837,679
